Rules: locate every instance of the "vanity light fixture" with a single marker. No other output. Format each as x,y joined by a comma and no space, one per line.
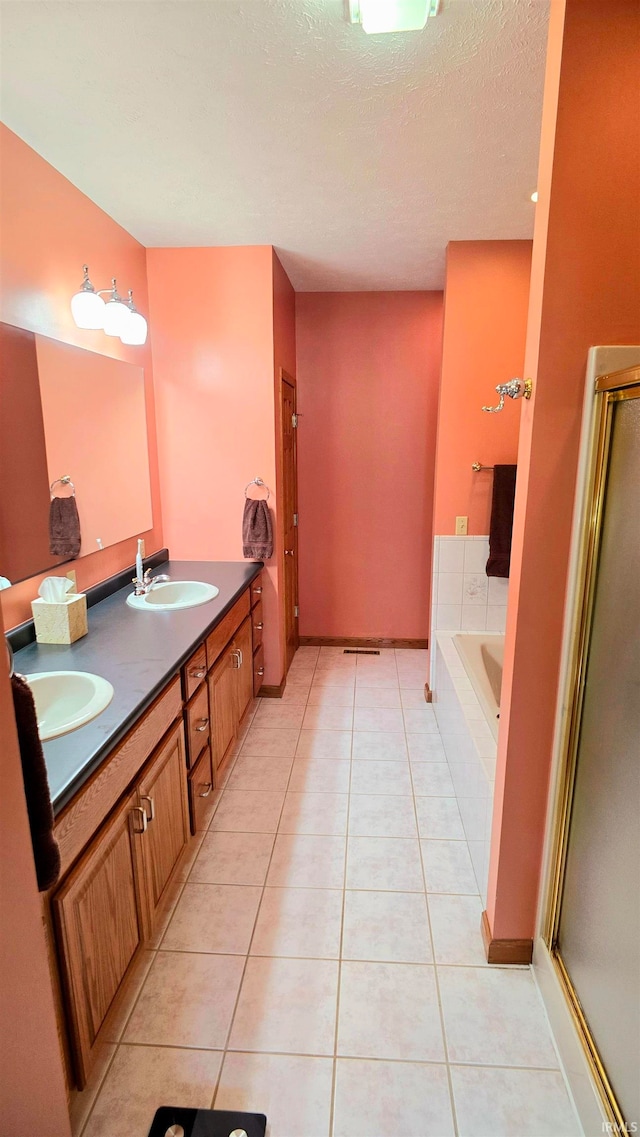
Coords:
116,317
377,16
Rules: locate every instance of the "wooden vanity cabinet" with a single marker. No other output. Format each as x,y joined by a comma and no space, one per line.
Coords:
257,627
201,791
162,793
222,704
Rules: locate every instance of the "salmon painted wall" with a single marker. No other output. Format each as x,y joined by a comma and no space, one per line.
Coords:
212,329
585,290
49,230
368,374
485,321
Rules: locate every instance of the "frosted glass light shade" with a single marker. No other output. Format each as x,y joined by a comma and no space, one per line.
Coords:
135,330
87,309
116,316
394,15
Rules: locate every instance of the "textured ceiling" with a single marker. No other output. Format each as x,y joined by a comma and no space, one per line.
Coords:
226,122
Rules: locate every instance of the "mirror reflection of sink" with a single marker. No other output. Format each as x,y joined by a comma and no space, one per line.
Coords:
66,700
174,594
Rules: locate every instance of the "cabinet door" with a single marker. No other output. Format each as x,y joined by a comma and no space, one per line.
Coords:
162,793
98,912
242,644
222,703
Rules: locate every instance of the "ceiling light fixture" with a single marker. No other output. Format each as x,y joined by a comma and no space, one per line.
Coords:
377,16
116,317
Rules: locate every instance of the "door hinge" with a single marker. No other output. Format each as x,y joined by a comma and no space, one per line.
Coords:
296,611
295,519
294,421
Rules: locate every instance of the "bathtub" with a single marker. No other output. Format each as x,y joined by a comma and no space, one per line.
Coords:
482,656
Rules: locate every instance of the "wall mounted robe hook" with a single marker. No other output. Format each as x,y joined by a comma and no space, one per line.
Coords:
514,389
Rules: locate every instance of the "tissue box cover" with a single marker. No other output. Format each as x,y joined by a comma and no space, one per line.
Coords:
62,623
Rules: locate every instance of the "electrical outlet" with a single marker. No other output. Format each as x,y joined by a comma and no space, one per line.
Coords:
461,526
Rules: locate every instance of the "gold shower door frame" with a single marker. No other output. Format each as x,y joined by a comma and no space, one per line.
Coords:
610,389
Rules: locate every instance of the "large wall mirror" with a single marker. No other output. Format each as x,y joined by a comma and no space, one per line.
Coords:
67,413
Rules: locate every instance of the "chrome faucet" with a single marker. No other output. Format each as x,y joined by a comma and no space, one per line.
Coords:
148,581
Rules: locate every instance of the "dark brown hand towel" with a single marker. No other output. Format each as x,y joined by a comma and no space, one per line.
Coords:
504,489
36,786
257,534
64,527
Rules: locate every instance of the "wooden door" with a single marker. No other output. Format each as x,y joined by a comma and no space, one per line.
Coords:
99,915
162,793
289,513
243,643
222,704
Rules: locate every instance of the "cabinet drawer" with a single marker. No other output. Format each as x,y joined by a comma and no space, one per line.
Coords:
256,590
221,635
197,723
257,624
201,792
194,672
258,670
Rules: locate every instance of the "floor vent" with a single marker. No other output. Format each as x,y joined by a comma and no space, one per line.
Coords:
361,651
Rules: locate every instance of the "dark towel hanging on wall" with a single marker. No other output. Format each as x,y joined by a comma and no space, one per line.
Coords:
257,534
502,502
64,527
36,786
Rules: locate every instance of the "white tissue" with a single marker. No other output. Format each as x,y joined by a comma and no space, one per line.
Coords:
54,589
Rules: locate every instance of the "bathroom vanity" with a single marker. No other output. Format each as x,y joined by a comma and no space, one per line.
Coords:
132,787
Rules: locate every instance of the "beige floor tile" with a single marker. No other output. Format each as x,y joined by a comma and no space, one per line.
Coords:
420,720
384,863
439,818
338,677
294,1092
448,867
389,1010
287,1005
322,813
143,1077
378,697
499,1103
81,1101
322,696
376,746
271,742
303,861
260,774
324,744
381,778
375,815
378,718
187,1000
383,1099
386,926
376,678
248,811
294,693
274,713
493,1016
308,651
233,858
172,894
432,779
188,857
325,717
320,775
299,922
412,697
213,917
426,748
124,1002
455,926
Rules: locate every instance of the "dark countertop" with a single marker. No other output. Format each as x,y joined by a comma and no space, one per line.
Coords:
138,652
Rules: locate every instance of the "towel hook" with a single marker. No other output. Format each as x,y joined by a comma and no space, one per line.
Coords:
257,482
65,480
515,389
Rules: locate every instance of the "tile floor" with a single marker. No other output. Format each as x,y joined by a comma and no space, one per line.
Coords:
323,961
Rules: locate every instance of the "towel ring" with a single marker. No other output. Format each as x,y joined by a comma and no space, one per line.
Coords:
65,480
257,482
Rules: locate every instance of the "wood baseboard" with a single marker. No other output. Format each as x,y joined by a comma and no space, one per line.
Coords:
428,694
504,951
270,692
341,641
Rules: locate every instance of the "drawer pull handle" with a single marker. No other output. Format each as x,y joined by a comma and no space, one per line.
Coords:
151,814
257,591
143,815
259,627
208,786
199,673
260,671
235,655
201,729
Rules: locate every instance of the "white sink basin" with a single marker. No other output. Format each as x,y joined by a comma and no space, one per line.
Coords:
173,594
66,700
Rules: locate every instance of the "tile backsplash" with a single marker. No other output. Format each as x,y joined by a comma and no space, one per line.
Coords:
463,597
